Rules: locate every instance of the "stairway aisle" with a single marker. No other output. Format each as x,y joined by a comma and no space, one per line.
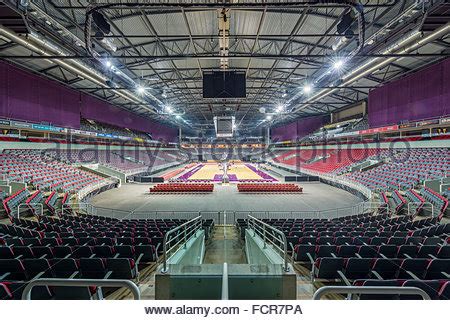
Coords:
225,245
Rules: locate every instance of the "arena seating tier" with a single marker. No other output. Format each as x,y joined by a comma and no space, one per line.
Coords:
406,168
96,126
367,248
35,200
439,201
416,200
51,200
12,202
323,160
76,247
28,166
400,202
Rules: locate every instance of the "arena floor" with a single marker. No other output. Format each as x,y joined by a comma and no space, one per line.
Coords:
214,172
206,172
135,197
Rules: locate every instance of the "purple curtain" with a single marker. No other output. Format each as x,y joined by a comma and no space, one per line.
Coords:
285,132
309,125
25,96
94,109
424,94
297,129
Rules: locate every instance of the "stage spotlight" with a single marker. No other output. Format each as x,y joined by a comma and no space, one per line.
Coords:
280,108
269,118
169,109
178,116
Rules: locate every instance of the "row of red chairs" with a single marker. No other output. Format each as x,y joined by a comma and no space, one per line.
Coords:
263,187
182,187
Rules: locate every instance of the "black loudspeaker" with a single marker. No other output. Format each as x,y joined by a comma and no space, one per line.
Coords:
200,158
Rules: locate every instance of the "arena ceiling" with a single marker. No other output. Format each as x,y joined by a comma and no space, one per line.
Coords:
296,62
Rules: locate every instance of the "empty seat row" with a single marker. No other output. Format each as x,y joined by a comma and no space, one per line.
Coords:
364,240
264,187
92,241
309,252
182,188
140,253
15,273
331,268
436,289
89,268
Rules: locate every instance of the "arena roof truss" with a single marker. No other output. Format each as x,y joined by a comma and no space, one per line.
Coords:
151,62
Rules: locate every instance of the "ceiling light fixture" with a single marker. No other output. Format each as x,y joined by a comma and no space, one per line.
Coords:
307,88
140,90
338,64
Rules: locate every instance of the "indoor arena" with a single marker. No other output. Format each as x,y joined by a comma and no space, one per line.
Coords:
225,150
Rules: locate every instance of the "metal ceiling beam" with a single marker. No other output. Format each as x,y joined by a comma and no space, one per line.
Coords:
231,5
213,56
152,29
178,37
311,50
184,47
261,39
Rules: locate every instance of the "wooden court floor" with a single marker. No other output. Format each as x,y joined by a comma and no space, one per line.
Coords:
241,171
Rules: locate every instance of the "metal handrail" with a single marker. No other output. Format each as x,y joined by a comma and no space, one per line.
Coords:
228,216
262,229
26,295
81,194
410,204
189,228
138,214
225,293
81,206
333,178
369,290
33,205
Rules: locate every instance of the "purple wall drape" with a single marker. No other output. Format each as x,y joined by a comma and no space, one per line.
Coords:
424,94
25,96
286,132
92,108
298,129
